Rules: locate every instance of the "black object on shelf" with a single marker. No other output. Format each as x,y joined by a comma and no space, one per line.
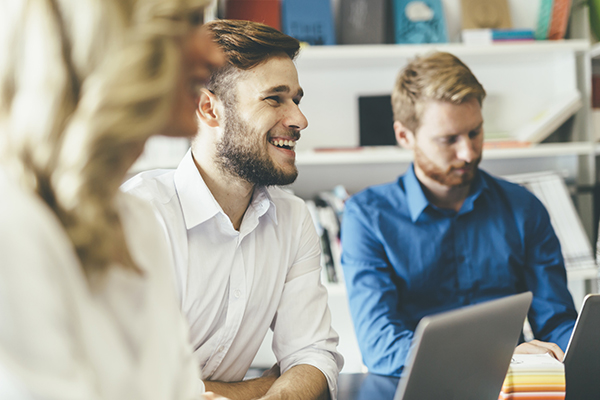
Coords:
376,121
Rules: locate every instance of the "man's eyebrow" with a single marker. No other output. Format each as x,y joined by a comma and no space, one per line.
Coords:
478,126
284,89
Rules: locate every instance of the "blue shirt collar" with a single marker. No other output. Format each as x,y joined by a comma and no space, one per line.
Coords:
417,201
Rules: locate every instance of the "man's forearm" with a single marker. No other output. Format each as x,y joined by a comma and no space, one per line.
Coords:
244,390
302,382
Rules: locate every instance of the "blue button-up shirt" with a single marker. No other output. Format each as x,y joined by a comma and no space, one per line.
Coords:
404,258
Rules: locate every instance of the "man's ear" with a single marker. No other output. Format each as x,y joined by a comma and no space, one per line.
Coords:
404,136
207,108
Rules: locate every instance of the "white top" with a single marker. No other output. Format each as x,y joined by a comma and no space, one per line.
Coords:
123,340
234,285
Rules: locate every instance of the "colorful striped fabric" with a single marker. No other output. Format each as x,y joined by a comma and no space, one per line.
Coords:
534,376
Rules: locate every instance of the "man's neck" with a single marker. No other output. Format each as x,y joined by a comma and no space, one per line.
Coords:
232,193
442,196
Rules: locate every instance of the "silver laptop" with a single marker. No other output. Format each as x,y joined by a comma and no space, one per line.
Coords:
582,358
464,354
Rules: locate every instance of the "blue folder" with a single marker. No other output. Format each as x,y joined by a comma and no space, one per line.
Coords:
419,21
309,21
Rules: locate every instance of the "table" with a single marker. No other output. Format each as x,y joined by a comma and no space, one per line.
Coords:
366,387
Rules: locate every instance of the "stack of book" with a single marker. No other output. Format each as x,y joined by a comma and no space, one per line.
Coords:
487,36
534,377
327,210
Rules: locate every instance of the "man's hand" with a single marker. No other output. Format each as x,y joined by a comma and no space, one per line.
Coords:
538,347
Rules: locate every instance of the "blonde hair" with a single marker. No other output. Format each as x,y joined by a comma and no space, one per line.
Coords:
437,76
83,85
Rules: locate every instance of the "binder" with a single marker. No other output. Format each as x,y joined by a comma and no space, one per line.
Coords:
309,21
366,22
544,17
267,12
419,22
485,14
560,18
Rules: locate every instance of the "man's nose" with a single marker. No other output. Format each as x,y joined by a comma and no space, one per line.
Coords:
294,118
466,150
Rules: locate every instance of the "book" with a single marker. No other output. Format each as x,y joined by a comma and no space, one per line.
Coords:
478,14
327,262
489,36
550,189
560,19
534,377
546,122
267,12
543,22
365,22
419,22
309,21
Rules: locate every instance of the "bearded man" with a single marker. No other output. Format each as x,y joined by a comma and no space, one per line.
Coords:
247,256
446,234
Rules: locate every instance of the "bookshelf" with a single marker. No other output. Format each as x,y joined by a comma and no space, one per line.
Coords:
518,79
522,80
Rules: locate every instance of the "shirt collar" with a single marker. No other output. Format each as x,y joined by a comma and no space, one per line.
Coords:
478,186
415,198
417,201
262,203
197,202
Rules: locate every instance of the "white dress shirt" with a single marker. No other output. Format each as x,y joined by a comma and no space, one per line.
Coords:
234,285
123,338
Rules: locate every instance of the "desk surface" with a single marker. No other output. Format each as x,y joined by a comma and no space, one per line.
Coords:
366,387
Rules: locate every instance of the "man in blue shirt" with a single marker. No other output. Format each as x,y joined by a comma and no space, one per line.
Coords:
446,234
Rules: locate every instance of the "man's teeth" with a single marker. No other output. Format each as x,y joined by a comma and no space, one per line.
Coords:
284,143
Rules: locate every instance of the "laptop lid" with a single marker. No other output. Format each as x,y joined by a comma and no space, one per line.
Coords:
465,353
582,358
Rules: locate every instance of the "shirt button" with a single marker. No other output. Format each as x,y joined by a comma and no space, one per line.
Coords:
221,349
237,294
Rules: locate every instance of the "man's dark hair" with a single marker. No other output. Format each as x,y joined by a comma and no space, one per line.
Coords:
245,44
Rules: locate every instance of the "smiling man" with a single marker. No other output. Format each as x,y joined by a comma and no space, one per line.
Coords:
247,257
446,234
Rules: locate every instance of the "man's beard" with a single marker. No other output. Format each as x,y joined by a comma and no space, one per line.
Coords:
445,176
242,153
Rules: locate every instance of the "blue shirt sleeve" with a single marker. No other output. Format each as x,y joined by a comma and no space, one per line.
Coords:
552,314
383,334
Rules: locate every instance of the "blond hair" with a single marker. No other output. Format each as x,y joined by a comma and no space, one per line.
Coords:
83,85
437,76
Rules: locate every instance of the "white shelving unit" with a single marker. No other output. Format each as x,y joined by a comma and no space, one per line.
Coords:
521,80
385,155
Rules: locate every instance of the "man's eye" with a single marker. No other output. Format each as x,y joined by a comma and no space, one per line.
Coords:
274,99
475,133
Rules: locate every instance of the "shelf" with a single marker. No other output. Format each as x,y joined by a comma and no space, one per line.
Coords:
391,154
583,273
392,51
595,50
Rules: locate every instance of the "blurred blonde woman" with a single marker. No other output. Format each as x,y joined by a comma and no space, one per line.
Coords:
87,306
